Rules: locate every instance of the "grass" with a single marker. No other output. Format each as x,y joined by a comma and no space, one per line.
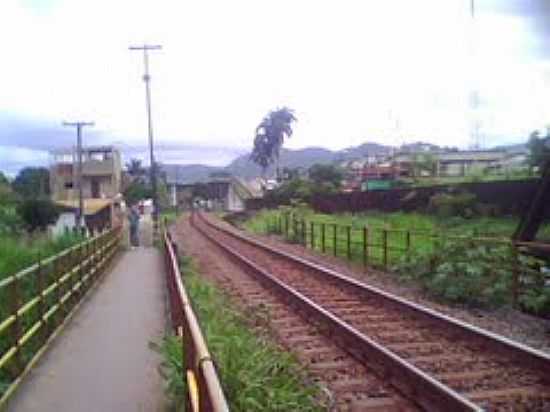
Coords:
392,226
255,374
469,261
17,253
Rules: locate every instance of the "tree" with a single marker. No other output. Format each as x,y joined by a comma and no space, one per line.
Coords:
539,149
270,136
136,191
326,174
37,213
32,183
4,180
135,168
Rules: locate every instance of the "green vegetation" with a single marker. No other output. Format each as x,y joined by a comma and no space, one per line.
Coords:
451,257
539,149
270,136
38,213
255,374
18,253
32,183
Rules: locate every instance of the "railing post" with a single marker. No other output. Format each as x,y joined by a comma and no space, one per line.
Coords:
295,224
348,241
335,239
312,228
16,326
385,246
323,246
41,304
84,254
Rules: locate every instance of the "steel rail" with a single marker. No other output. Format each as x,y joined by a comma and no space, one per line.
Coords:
527,356
205,392
535,358
415,384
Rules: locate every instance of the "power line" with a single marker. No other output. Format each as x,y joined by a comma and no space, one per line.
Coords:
79,126
147,79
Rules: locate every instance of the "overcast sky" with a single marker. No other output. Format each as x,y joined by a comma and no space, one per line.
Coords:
390,71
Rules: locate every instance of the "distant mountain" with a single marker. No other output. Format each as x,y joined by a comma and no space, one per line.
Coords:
242,166
188,173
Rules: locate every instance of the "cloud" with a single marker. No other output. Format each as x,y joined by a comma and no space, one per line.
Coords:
343,65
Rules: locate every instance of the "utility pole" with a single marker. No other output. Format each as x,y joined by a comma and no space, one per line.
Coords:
79,126
147,79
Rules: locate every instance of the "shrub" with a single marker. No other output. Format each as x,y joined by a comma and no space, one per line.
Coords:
450,204
38,213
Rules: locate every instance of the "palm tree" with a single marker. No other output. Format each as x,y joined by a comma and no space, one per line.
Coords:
270,136
134,168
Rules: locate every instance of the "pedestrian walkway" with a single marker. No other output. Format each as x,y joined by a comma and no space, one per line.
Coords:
102,362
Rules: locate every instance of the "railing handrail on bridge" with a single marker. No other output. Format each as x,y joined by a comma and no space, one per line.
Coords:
205,393
41,299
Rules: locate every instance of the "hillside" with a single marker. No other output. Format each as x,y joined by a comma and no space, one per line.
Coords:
243,167
305,158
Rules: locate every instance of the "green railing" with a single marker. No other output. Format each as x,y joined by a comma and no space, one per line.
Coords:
36,303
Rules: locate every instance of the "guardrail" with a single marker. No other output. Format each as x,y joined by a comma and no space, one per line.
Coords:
39,300
204,390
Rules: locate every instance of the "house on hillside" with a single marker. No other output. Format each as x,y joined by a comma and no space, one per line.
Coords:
460,163
101,184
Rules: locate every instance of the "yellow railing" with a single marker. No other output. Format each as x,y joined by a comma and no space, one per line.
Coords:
205,393
38,301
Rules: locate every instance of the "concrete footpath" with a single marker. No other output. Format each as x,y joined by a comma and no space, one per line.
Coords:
101,362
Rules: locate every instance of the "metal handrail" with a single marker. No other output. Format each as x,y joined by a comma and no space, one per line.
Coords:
205,392
57,284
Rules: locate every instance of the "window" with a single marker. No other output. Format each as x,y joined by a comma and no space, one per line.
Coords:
68,185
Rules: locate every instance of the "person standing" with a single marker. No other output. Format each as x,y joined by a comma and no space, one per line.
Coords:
133,218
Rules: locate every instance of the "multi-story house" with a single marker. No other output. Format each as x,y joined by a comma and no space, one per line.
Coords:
101,184
101,173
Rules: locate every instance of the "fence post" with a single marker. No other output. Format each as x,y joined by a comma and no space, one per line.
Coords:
335,239
312,227
408,244
348,241
304,232
385,246
515,276
323,247
295,227
286,225
365,246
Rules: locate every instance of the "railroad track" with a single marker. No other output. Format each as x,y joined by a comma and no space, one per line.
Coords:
436,361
